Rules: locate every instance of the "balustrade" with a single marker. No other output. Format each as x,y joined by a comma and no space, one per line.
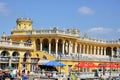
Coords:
15,44
4,59
87,57
15,59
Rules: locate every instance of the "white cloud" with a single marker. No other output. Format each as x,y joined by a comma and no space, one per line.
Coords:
3,9
100,30
85,10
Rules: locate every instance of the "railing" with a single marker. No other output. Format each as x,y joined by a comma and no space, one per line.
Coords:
15,59
4,59
62,32
88,57
15,44
69,32
107,74
34,60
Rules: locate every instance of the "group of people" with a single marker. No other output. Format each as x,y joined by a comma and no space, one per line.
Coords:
10,75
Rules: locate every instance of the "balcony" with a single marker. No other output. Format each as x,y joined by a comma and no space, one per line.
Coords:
11,44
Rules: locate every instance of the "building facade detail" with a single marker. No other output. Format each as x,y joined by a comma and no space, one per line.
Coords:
26,46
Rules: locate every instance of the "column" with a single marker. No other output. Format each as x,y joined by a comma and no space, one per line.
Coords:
80,49
50,46
69,49
118,54
56,50
104,51
112,52
84,49
94,50
101,50
75,48
63,47
91,49
40,44
98,50
10,61
10,58
87,52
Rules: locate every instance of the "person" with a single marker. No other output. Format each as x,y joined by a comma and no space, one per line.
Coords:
24,76
101,77
12,76
73,77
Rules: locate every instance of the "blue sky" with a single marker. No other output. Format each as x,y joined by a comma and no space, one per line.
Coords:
98,18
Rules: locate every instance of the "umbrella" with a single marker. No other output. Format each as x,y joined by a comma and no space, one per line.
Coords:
91,65
118,66
9,68
112,65
81,65
54,63
103,65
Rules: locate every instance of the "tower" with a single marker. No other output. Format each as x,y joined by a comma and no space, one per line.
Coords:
24,24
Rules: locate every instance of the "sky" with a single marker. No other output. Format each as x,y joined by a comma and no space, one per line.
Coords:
98,18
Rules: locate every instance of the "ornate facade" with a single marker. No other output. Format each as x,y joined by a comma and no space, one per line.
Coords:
26,46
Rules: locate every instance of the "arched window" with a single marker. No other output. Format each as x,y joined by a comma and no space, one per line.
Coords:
15,54
4,54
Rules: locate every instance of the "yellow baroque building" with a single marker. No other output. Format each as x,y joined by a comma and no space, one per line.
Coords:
26,46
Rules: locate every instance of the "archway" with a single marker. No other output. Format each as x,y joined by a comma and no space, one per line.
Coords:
108,51
37,44
45,45
59,46
53,46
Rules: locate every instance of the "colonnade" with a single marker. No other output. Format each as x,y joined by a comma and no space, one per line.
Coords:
74,47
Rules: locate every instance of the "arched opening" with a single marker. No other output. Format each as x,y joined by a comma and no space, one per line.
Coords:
45,45
37,44
26,56
108,51
15,54
53,46
4,59
15,58
115,52
44,57
60,46
5,54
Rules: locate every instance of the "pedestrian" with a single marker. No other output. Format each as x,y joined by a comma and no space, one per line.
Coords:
24,76
101,77
12,76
